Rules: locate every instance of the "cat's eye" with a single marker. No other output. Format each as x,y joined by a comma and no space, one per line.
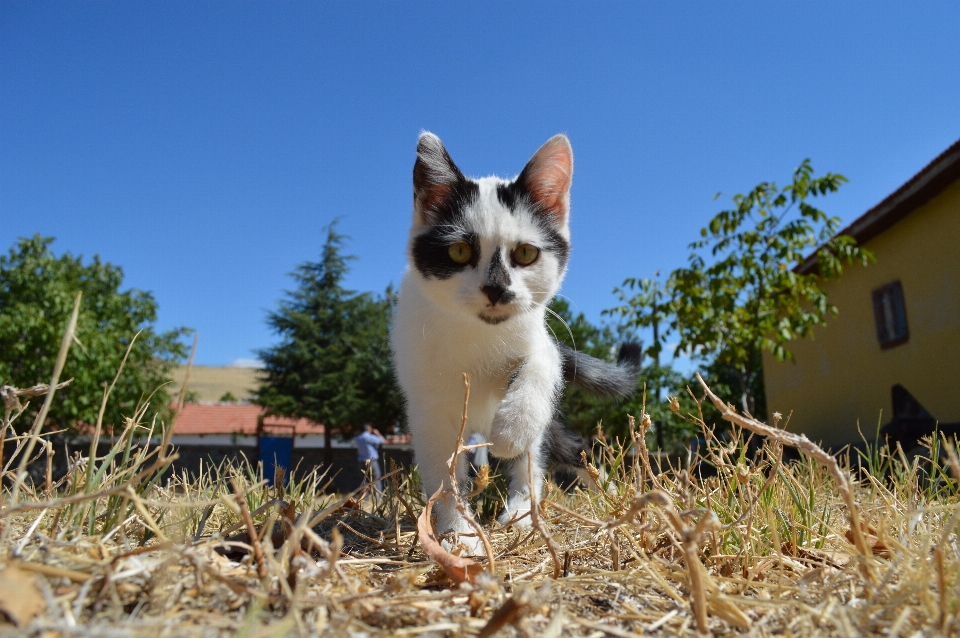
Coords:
525,254
460,252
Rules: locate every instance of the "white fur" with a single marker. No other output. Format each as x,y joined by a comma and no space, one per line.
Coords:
437,335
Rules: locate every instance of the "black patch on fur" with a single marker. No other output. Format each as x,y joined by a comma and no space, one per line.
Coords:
443,201
441,198
563,447
449,210
431,256
497,285
514,196
555,242
630,354
601,377
493,321
513,193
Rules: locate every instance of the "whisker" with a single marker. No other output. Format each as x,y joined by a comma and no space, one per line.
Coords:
565,325
553,333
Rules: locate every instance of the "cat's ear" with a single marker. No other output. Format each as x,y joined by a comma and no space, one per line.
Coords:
435,178
547,177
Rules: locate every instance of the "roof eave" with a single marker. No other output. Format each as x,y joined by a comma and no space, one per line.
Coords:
918,190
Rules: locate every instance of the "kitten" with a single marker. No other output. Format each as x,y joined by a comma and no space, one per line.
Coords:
485,256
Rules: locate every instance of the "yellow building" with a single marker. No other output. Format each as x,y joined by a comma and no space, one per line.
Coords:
899,320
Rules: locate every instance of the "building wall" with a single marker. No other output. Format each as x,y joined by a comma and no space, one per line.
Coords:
841,375
346,473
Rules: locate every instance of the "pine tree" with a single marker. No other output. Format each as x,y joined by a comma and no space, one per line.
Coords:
332,365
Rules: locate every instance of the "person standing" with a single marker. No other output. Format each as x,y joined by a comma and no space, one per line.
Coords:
368,443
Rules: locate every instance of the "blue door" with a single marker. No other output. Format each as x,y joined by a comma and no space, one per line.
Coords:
275,451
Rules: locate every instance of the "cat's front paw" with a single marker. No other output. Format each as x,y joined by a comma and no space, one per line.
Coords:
519,519
519,425
517,514
504,445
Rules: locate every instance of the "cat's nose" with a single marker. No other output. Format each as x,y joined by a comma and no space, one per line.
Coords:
495,293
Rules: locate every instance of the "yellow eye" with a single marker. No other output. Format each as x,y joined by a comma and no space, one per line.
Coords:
525,254
460,252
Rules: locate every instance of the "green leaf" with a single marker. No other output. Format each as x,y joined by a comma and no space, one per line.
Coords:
736,297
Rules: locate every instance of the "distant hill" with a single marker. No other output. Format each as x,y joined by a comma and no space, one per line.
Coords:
211,382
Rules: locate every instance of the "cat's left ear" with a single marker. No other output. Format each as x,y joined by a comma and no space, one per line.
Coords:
547,177
435,180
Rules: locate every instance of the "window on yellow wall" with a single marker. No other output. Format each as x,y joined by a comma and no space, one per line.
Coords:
890,315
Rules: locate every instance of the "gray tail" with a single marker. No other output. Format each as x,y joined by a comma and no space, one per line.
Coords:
601,377
563,447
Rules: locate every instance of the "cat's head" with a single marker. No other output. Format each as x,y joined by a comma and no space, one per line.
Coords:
489,247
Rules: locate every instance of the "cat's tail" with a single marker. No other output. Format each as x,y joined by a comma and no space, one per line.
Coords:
565,449
603,378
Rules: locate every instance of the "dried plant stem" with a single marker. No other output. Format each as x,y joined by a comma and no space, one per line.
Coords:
487,547
68,336
257,512
941,587
771,478
645,453
680,572
53,571
614,551
11,405
815,451
49,476
145,513
293,548
452,463
168,434
95,439
461,506
576,515
538,524
508,613
317,518
690,539
690,543
251,530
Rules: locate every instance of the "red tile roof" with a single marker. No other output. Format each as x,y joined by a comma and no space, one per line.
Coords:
237,418
241,418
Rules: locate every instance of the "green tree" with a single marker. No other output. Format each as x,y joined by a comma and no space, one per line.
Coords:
742,293
332,364
36,298
649,308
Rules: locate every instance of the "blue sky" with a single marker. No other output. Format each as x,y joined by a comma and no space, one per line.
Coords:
203,146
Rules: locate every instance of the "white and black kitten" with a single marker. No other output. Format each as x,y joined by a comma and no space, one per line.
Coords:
485,256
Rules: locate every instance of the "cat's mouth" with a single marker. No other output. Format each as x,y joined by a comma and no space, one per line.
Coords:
493,319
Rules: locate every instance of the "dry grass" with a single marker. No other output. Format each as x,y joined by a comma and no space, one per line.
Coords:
744,544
